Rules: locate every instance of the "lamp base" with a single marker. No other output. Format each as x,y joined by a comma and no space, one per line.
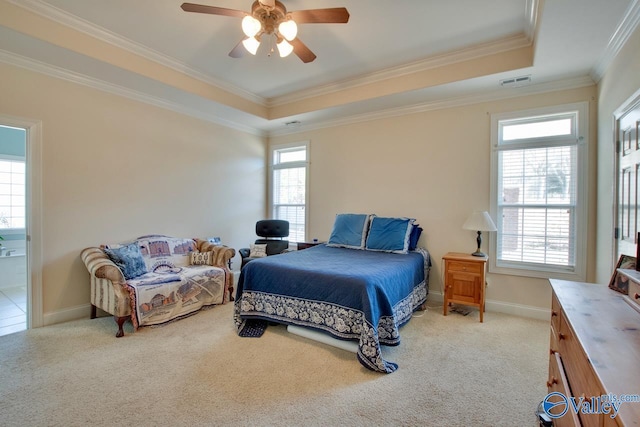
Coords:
478,252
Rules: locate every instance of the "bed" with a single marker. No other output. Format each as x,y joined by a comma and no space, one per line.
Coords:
346,292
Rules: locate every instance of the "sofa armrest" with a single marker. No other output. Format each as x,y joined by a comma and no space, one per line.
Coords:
221,254
108,287
221,258
100,266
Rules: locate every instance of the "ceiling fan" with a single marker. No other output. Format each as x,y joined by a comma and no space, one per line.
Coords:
270,18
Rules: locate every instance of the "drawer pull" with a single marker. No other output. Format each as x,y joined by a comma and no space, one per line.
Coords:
562,336
551,383
552,351
554,313
637,296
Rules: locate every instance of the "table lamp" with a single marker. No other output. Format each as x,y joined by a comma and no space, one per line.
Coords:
479,221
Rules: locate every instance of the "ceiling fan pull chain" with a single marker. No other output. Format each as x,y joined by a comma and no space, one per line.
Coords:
271,49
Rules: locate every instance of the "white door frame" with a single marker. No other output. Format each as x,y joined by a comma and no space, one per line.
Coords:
34,215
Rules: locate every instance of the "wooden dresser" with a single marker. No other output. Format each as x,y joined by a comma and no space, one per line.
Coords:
594,350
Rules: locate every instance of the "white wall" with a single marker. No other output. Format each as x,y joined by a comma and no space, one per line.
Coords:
433,166
620,82
114,169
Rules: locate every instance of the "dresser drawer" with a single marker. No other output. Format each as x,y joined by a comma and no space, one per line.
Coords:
467,267
556,313
634,293
553,341
580,375
557,382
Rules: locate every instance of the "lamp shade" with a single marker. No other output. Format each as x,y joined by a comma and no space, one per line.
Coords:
288,29
479,221
285,48
251,44
250,26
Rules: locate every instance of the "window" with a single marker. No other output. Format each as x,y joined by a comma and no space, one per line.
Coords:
12,193
289,165
538,174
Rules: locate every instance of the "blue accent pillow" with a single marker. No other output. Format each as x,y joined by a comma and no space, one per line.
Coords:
129,259
389,234
416,231
349,231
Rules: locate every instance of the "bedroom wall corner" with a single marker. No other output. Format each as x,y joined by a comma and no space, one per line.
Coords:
114,169
620,82
433,166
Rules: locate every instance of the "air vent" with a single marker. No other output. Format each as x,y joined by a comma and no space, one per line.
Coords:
516,81
293,124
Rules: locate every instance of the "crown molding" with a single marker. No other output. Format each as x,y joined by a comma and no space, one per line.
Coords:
70,76
63,18
60,73
532,12
495,95
504,44
627,26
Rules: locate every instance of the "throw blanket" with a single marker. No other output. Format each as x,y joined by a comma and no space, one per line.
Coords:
170,294
348,293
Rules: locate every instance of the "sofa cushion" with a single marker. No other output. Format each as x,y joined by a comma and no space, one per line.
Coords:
129,259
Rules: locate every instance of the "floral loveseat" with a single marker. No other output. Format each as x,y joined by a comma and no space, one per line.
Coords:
156,278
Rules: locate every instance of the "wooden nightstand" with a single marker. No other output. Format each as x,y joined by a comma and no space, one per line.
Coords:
464,280
305,245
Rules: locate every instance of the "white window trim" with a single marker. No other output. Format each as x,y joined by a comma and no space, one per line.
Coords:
306,164
582,131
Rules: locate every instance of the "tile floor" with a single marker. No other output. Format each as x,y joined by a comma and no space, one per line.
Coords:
13,309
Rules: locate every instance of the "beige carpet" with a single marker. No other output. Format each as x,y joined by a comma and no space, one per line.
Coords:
453,371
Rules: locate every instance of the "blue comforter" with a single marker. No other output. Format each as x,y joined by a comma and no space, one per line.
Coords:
348,293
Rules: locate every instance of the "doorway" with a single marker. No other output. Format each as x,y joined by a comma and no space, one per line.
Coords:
13,238
627,167
32,227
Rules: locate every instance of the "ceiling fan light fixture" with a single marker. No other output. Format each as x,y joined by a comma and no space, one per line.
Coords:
285,48
288,29
251,26
268,3
251,44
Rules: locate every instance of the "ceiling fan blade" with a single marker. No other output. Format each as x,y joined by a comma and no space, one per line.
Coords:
238,51
335,15
212,10
302,51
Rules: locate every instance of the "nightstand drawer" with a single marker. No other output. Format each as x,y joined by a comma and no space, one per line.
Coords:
467,267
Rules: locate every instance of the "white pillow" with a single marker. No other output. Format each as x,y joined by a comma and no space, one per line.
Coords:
258,251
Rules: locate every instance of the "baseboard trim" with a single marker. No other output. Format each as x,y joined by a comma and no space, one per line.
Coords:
520,310
74,313
84,311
